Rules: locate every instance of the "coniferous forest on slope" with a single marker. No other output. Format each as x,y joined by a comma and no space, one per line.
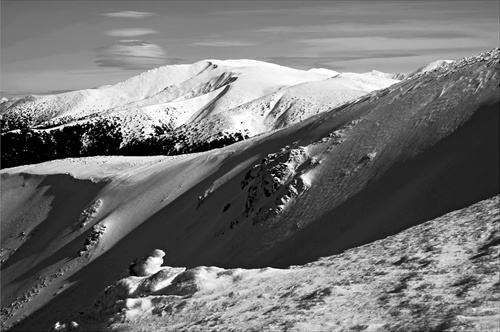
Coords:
101,138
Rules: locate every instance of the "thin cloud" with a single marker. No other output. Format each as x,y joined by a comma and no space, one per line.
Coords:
226,43
376,11
134,43
392,31
133,54
266,11
10,95
129,32
341,45
55,92
132,63
294,29
130,14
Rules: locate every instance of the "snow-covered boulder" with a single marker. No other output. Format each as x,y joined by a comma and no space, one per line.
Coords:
148,265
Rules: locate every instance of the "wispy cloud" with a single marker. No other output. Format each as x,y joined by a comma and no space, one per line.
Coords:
294,29
133,54
223,43
350,45
130,14
305,62
8,95
53,92
129,32
375,12
394,31
264,11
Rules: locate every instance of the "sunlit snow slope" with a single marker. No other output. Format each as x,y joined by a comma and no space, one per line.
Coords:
187,94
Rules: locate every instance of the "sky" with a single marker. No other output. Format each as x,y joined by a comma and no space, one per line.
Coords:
57,46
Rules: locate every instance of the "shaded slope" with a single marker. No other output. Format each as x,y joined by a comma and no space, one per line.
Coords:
456,172
394,145
40,228
439,275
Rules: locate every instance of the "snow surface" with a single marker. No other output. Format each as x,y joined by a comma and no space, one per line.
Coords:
400,76
187,94
419,280
328,72
431,66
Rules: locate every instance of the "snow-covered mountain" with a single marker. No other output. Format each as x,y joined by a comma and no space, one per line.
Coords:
347,176
210,96
434,65
396,76
430,66
186,94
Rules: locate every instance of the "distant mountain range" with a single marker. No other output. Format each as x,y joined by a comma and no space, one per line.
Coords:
244,94
177,109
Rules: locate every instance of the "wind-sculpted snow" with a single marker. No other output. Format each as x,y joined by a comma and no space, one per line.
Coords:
354,174
431,66
149,265
441,275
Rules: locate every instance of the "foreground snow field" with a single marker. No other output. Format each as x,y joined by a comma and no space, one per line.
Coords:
232,220
440,275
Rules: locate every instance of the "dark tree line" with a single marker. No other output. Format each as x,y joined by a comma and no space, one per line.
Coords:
28,146
177,143
11,121
103,137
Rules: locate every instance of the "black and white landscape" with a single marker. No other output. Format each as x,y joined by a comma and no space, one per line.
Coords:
245,195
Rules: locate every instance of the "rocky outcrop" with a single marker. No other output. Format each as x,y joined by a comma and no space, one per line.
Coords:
275,183
89,213
92,240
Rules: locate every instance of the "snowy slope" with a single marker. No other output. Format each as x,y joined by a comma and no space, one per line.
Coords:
431,66
171,82
395,76
417,280
187,94
223,86
247,104
288,105
328,72
83,102
351,175
400,76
